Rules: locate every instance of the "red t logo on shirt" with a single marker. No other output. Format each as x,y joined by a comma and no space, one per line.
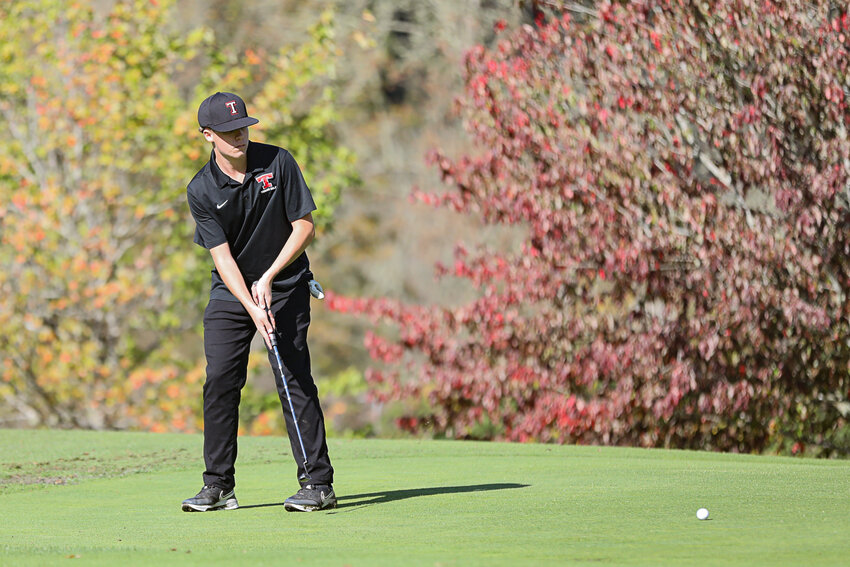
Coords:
264,180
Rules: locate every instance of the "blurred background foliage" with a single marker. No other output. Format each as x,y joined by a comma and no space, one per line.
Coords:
102,289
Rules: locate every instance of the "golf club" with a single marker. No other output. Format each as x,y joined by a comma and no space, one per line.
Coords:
273,341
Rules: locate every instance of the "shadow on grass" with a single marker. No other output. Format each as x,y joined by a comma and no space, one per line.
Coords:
354,501
358,500
393,495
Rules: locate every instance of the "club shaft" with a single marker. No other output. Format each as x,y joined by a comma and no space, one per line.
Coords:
291,408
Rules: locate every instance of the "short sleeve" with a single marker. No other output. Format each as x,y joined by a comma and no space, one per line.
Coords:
208,233
297,198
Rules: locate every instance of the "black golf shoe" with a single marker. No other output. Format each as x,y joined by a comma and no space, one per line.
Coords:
310,498
211,498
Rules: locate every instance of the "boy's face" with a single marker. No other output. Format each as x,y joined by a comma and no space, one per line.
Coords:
232,144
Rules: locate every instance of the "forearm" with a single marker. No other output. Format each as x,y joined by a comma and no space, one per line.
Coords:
231,275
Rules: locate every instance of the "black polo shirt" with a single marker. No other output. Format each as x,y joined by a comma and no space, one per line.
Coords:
254,217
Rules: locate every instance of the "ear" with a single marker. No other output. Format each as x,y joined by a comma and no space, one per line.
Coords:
208,135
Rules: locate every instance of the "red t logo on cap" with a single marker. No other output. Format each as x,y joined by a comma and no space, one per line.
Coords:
232,106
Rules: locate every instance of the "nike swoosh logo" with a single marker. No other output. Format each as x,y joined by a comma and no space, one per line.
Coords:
269,189
217,206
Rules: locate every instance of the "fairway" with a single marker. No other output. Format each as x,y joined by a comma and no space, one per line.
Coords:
107,498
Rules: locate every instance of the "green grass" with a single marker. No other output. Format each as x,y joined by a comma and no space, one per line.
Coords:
94,498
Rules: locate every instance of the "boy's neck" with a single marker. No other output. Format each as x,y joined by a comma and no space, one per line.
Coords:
235,168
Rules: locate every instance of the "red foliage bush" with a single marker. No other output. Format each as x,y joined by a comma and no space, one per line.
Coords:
683,176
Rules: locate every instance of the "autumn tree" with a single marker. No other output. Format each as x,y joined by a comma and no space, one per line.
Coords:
100,281
681,169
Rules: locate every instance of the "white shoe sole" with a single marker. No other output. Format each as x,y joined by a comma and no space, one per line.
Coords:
229,504
303,508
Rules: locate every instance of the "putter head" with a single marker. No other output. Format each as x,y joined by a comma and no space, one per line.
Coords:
316,289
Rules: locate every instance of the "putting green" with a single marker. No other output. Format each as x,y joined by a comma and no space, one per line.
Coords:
106,498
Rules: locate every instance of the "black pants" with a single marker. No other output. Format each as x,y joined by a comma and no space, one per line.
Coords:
228,330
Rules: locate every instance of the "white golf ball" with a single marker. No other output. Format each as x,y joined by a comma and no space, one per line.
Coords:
702,514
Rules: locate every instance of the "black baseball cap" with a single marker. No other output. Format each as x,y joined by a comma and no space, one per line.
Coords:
224,112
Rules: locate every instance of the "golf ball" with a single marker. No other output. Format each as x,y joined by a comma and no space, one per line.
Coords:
702,514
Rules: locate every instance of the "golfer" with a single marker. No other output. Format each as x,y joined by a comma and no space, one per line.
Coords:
253,212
